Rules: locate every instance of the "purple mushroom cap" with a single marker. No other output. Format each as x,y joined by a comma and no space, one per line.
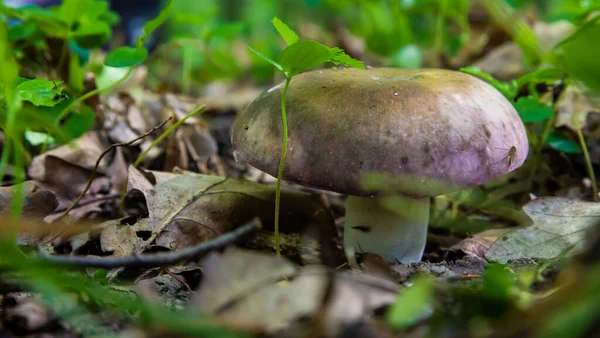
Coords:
434,131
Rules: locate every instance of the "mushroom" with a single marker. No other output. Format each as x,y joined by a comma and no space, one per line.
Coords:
434,131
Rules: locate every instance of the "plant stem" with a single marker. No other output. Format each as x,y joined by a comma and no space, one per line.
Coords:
588,161
288,78
89,94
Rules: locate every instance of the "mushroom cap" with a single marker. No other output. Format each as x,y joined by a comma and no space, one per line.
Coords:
431,131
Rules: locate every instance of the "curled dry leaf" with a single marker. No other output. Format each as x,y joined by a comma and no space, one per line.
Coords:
184,210
37,203
574,105
560,226
66,169
246,286
478,244
28,316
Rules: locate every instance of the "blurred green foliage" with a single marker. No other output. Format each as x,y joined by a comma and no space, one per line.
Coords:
45,52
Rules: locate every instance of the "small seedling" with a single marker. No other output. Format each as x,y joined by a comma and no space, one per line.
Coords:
130,56
299,56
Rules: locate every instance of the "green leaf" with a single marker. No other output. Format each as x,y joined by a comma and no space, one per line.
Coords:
79,123
153,24
302,56
21,30
126,57
413,303
562,144
499,283
581,53
508,89
285,31
92,35
542,75
338,57
76,74
40,92
9,70
47,21
71,10
37,139
266,58
532,110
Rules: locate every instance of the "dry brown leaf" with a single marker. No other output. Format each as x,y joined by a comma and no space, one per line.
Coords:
37,203
28,316
120,239
188,209
248,286
66,169
574,104
478,244
561,226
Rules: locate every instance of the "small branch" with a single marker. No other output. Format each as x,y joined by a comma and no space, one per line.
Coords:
166,133
91,201
93,175
161,259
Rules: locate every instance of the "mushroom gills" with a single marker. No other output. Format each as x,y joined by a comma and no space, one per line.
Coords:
394,227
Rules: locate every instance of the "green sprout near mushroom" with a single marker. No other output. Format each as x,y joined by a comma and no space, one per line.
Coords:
299,56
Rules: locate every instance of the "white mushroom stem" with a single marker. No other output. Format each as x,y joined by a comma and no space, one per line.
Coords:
393,227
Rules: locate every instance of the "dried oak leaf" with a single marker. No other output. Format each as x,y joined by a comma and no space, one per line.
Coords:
560,226
241,285
574,106
66,169
187,209
477,245
37,203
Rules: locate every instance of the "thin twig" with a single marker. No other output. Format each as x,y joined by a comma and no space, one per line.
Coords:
166,133
161,259
93,175
91,201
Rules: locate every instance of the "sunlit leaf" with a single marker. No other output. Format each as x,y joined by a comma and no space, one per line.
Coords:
413,303
126,57
285,31
153,24
71,10
36,139
303,55
339,57
542,75
264,57
508,89
40,92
